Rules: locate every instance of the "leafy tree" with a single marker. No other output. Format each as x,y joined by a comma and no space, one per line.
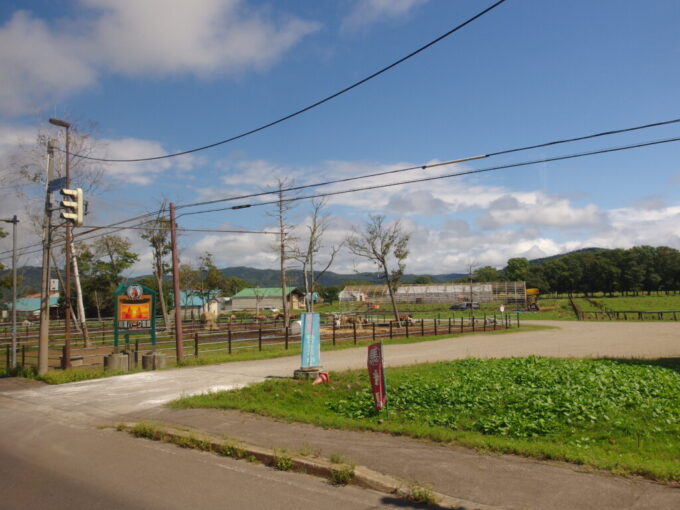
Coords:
422,280
331,293
487,274
233,285
517,269
157,234
387,247
211,278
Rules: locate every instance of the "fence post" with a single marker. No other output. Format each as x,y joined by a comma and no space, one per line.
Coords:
391,329
23,356
259,337
196,344
229,337
373,325
406,323
8,356
422,327
435,327
473,323
449,325
484,324
494,322
461,323
286,329
334,332
354,332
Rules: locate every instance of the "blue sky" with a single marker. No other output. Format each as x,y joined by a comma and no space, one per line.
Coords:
145,78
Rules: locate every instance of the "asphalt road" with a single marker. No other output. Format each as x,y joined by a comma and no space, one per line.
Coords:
52,455
57,464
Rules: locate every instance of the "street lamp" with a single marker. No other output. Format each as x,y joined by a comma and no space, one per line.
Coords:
66,363
14,221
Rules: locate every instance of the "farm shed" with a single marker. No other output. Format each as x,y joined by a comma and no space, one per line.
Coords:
196,301
266,297
29,305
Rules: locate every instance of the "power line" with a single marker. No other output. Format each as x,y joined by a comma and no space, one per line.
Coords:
365,176
447,176
443,163
306,108
414,181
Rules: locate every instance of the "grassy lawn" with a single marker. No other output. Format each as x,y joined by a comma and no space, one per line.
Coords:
651,303
620,415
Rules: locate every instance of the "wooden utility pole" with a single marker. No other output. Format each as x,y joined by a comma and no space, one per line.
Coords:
43,342
179,339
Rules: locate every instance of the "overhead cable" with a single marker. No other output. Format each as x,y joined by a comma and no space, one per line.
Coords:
306,108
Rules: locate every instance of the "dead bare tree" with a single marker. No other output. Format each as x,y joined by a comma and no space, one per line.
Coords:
285,244
307,257
385,245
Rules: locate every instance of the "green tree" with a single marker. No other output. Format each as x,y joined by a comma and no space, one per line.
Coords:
517,269
487,274
330,294
157,234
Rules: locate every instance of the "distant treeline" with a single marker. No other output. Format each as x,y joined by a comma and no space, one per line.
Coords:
639,269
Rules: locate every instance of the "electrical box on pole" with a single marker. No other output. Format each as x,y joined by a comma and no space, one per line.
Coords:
73,205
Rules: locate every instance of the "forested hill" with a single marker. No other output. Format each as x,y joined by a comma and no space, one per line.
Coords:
543,260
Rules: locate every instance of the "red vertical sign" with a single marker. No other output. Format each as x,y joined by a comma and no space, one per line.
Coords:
377,376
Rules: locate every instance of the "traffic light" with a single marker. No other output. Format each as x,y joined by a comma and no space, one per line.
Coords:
73,205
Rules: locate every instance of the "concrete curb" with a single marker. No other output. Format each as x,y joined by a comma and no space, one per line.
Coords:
362,476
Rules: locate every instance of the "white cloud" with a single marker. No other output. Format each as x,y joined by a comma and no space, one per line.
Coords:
144,172
544,211
38,64
41,63
367,12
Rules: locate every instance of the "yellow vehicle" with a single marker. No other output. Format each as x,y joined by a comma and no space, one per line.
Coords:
532,299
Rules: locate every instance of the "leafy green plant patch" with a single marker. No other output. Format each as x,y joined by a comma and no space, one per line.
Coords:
622,415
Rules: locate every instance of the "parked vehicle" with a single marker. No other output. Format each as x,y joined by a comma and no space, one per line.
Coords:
468,305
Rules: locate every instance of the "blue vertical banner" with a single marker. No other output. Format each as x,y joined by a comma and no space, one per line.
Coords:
311,340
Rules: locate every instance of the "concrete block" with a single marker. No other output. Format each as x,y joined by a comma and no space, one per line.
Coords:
116,361
153,361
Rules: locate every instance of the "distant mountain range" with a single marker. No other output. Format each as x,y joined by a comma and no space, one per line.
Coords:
30,276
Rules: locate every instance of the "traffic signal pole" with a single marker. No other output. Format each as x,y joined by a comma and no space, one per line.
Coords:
66,361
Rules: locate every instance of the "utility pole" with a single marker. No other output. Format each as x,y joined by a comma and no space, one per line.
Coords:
13,359
43,343
179,339
66,361
470,268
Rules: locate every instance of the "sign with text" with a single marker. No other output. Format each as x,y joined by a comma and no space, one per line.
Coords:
311,340
134,312
376,373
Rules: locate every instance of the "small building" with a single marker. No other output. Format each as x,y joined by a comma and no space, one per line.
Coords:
266,297
195,301
28,307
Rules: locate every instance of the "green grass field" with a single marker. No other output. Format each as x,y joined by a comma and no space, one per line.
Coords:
651,303
620,415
